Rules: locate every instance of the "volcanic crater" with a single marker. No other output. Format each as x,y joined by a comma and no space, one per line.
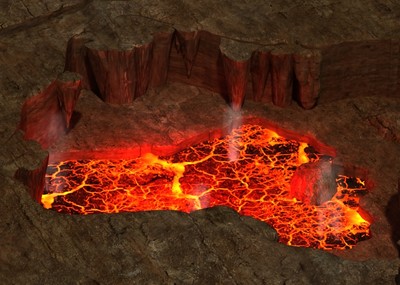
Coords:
95,80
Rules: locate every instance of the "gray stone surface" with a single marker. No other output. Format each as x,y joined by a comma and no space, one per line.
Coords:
212,246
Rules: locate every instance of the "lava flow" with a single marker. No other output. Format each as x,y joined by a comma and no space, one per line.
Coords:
248,170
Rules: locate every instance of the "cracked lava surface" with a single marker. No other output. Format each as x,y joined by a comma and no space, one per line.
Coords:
248,170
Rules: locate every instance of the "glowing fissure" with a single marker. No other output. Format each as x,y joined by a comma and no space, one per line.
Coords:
255,183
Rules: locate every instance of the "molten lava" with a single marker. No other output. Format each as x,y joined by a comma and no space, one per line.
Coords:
249,170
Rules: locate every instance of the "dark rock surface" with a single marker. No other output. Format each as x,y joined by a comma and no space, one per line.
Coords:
359,64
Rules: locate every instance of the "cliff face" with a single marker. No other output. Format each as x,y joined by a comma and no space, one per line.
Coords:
174,66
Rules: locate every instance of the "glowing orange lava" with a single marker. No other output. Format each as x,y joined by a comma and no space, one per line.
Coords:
248,170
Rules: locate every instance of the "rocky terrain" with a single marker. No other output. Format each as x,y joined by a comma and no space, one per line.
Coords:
204,75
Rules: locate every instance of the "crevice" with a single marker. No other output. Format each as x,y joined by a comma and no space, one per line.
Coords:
385,131
27,9
35,21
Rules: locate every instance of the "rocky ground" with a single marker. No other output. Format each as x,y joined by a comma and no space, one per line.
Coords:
211,246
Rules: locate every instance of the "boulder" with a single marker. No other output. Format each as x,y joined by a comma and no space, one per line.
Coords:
314,183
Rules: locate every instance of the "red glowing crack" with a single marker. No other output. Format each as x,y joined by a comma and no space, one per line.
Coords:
249,170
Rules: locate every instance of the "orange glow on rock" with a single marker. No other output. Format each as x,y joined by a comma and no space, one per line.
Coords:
302,155
256,183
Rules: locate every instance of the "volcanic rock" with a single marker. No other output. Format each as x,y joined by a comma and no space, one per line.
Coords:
352,69
314,182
